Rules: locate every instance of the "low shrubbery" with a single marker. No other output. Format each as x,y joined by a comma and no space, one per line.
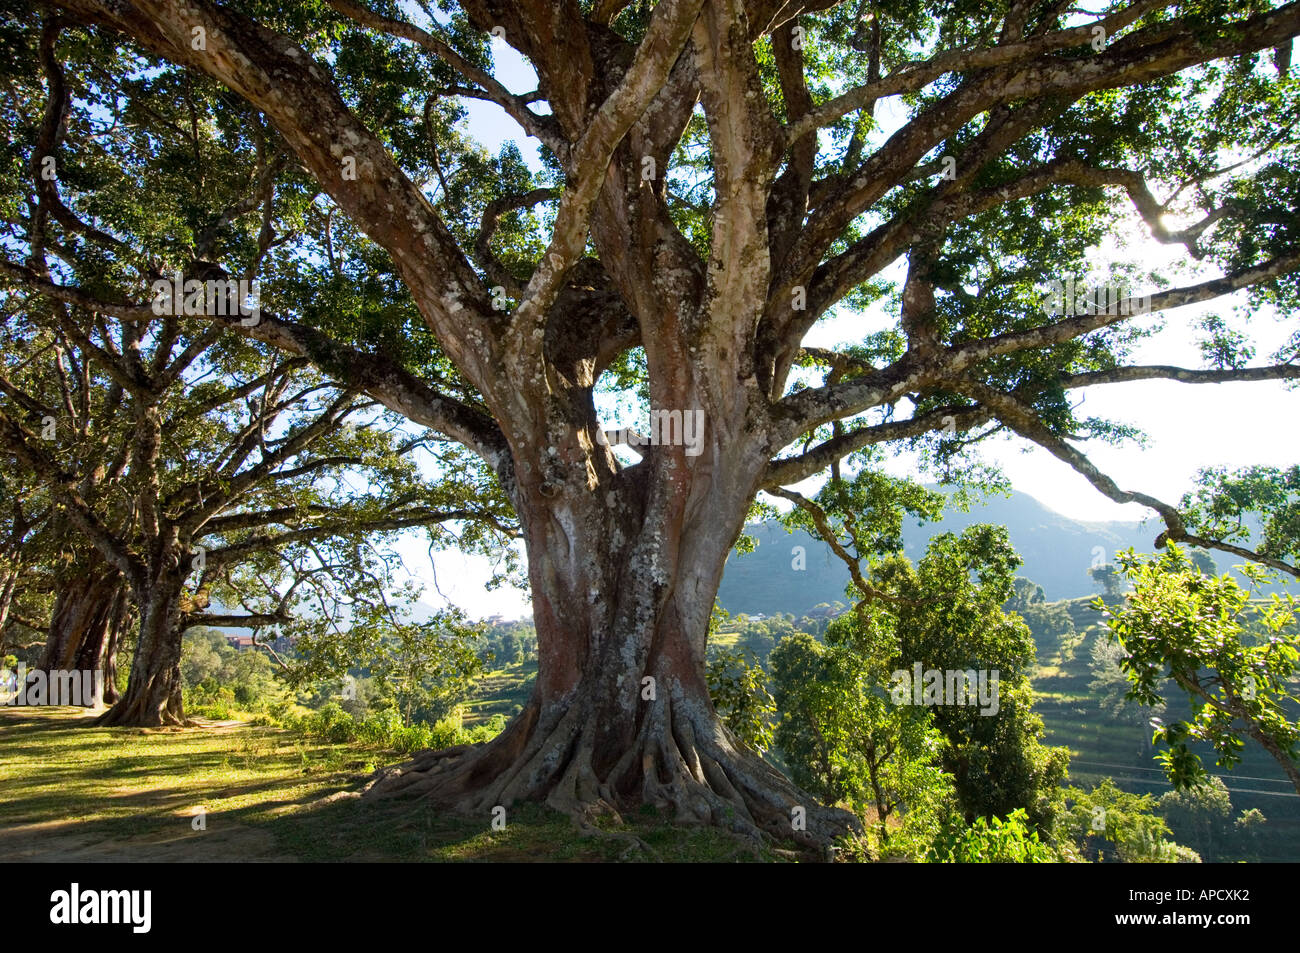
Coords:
992,841
210,700
385,728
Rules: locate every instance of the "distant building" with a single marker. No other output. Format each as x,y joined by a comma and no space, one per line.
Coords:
281,644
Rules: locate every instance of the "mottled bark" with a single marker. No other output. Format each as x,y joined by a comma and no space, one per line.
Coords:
153,692
90,608
624,574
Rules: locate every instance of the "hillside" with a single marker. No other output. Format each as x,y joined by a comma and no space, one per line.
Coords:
1057,550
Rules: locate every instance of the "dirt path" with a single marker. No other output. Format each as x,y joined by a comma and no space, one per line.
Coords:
68,841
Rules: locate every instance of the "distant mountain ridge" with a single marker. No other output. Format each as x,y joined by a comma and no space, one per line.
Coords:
1057,551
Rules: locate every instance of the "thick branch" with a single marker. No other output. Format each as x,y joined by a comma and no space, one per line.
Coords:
789,470
670,27
1022,419
491,215
914,76
516,107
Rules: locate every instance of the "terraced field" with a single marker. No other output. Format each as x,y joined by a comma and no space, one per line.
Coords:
500,692
1101,747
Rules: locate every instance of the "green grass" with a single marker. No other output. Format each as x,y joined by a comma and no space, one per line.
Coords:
75,792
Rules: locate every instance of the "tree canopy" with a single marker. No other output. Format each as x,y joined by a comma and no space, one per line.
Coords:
717,180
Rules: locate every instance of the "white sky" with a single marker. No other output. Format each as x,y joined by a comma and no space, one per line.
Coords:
1189,426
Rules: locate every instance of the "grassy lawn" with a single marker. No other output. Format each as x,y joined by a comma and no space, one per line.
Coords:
74,792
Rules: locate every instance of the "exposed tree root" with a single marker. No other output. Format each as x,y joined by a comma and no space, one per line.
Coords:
587,829
680,760
113,718
141,713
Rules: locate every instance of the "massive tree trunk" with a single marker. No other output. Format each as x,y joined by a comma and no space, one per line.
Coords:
153,692
90,606
99,649
625,566
621,714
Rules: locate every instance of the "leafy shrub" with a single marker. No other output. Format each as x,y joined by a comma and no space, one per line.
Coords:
413,738
217,711
385,728
991,841
277,711
208,699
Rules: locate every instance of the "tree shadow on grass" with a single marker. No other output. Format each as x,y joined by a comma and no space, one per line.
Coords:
79,793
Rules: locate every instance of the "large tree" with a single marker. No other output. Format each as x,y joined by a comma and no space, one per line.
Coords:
196,478
724,175
224,492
